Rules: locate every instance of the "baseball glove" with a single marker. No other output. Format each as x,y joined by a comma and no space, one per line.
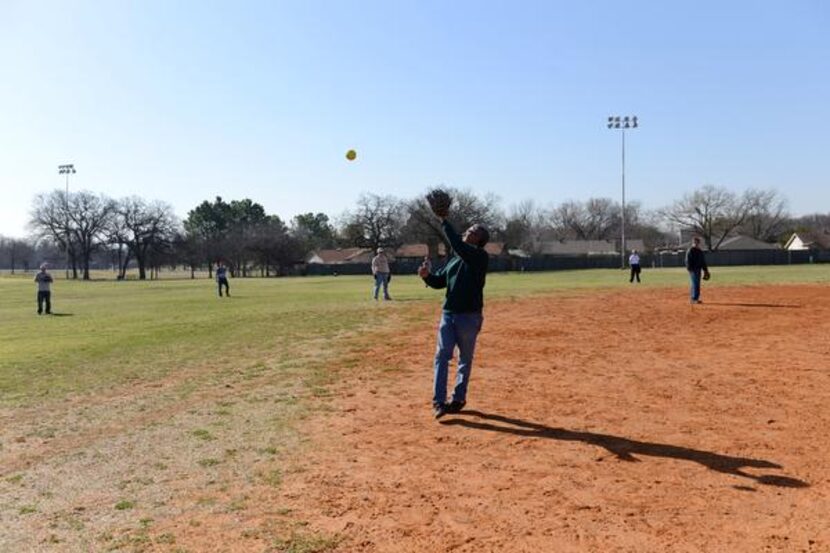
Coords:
439,201
706,275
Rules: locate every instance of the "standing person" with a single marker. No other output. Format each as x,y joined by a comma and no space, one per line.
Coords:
380,270
696,264
463,276
44,290
634,263
222,279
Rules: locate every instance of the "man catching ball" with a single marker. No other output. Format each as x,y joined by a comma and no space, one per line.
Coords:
463,277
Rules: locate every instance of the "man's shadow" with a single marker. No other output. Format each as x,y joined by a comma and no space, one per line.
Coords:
626,449
767,305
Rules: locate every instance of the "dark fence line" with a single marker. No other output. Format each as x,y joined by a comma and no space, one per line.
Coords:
554,263
572,262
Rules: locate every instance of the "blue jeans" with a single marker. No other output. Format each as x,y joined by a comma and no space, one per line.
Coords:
694,292
456,329
382,279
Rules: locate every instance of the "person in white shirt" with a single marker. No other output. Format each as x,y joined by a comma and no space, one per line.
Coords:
634,263
380,270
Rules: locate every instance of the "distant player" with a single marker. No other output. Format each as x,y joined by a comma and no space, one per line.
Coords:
222,279
381,272
44,290
634,263
463,276
695,265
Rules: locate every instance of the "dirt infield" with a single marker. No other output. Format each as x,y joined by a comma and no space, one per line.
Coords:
620,421
609,421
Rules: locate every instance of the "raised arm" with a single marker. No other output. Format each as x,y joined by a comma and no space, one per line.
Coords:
465,251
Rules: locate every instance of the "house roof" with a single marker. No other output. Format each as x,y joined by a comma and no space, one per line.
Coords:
741,242
364,255
421,250
416,250
340,255
582,247
812,239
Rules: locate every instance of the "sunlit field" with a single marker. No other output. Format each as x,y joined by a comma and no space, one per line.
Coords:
142,408
106,332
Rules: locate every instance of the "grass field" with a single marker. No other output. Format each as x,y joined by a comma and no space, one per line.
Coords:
134,392
108,332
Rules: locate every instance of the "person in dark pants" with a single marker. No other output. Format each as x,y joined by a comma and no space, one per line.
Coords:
222,279
695,265
44,290
463,276
634,263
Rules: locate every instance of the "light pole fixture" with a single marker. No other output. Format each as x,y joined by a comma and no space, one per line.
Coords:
67,169
622,123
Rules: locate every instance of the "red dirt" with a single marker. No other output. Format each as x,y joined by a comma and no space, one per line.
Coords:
620,421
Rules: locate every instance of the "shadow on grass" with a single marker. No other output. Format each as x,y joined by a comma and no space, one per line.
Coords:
61,314
626,449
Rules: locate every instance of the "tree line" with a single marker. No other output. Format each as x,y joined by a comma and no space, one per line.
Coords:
81,226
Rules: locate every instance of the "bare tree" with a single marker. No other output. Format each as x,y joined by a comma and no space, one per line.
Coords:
145,228
813,222
712,212
526,226
49,220
767,217
596,219
89,217
467,209
117,237
376,222
16,252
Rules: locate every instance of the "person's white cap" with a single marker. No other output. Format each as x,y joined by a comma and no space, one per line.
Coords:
44,265
380,250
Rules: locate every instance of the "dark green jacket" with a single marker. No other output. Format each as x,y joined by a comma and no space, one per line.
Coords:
695,260
463,276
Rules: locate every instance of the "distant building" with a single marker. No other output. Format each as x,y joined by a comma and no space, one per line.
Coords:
741,242
340,256
589,247
417,252
811,240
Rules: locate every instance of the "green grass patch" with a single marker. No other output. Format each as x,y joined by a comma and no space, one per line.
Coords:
124,505
110,333
203,434
272,478
16,479
305,543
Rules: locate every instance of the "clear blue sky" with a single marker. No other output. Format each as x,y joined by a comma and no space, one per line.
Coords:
183,101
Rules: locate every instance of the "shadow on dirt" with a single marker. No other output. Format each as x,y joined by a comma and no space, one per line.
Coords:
767,305
626,449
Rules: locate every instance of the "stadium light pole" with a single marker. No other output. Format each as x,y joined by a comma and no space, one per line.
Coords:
67,169
622,123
